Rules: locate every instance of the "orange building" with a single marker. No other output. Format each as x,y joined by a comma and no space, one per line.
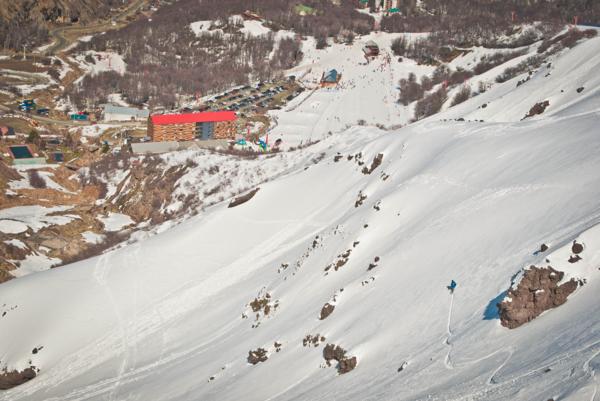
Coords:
191,126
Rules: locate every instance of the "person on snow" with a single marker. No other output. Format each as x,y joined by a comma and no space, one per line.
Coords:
452,286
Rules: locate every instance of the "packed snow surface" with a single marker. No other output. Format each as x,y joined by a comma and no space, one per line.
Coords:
34,217
168,317
115,221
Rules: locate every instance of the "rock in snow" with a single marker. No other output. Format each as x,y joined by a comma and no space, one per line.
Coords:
540,289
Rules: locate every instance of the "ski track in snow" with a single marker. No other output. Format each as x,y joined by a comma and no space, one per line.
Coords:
448,360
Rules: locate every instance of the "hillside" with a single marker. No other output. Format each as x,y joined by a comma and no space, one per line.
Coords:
27,22
350,243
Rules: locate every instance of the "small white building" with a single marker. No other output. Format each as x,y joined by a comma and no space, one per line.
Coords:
120,113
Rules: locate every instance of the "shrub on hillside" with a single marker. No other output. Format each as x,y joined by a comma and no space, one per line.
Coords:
529,64
490,61
399,46
431,104
462,95
35,180
410,90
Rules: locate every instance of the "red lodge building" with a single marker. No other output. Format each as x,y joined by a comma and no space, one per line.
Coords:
191,126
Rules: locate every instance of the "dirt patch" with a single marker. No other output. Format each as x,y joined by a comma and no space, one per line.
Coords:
243,199
337,353
539,290
14,378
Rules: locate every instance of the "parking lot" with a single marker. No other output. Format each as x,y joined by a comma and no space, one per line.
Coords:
257,99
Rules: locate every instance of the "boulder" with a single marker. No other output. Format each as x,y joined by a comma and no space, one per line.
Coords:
577,248
326,310
539,289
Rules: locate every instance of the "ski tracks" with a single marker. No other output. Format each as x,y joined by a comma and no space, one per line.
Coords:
448,361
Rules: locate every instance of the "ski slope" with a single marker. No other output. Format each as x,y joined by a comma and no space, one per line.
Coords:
366,91
168,318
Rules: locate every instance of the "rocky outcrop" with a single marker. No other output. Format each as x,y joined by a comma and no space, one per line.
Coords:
257,356
376,163
244,198
337,353
326,310
538,108
539,289
361,198
14,378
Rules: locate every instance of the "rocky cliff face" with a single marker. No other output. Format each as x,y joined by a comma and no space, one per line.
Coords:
539,289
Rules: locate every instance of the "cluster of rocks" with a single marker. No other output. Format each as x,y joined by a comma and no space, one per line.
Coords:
538,108
360,199
256,356
314,340
373,264
376,163
345,364
342,259
263,304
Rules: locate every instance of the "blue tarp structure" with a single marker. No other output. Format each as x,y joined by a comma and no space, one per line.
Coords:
331,76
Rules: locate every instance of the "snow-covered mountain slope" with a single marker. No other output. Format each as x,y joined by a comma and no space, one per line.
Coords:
556,81
174,316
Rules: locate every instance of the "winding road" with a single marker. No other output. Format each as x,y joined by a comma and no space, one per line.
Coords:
61,34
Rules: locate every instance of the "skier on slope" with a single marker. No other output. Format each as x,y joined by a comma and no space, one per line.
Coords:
452,286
